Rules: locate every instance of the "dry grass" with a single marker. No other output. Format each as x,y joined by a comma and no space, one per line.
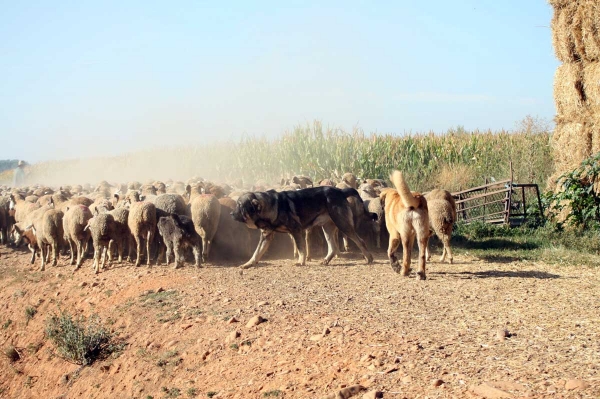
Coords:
572,143
564,30
569,96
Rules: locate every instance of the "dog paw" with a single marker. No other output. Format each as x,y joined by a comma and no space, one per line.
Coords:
406,271
324,262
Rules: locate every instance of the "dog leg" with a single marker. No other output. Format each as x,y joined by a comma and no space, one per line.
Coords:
301,246
295,246
407,244
308,235
263,244
392,247
330,231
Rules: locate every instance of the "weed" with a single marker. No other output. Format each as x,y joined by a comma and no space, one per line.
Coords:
7,324
274,393
108,293
29,313
234,346
171,392
77,340
12,354
192,392
34,348
210,394
28,382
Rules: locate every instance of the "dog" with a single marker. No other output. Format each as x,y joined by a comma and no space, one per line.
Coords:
295,211
406,216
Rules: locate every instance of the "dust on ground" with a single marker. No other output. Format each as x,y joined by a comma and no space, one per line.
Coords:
472,329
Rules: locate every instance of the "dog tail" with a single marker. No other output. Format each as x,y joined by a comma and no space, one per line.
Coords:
408,199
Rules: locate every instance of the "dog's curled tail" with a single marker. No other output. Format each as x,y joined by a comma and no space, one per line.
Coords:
408,199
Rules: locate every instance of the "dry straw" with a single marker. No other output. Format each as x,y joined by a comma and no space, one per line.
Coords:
565,29
589,15
569,96
572,143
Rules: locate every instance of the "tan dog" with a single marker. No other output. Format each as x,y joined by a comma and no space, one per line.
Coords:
406,216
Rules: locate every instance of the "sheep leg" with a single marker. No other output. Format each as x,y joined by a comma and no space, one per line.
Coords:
72,249
149,239
55,253
130,249
79,254
32,249
120,251
378,235
205,249
169,253
178,254
105,250
109,250
138,242
197,249
96,259
42,256
447,250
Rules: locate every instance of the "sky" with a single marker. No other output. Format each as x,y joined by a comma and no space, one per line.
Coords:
87,78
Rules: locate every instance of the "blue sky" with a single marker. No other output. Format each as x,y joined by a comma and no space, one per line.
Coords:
83,78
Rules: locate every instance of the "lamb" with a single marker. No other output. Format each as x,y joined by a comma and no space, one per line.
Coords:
75,221
442,216
142,224
48,230
122,233
206,212
28,237
171,203
178,232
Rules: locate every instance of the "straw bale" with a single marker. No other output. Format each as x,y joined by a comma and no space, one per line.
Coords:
589,14
591,85
569,94
593,123
559,3
571,144
565,28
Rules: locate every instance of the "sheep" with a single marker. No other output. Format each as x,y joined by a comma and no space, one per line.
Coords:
142,224
171,203
26,235
232,239
121,231
74,222
100,203
103,231
206,212
350,179
4,222
442,216
80,201
374,206
192,191
326,182
303,181
178,232
366,191
161,188
48,230
32,198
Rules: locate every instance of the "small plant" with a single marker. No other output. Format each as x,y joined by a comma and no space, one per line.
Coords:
77,340
28,382
171,392
108,293
210,394
192,392
30,312
12,354
275,393
149,397
34,348
234,346
7,324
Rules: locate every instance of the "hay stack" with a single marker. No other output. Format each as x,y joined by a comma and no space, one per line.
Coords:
576,40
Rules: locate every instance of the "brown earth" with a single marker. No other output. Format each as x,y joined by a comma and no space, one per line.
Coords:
473,329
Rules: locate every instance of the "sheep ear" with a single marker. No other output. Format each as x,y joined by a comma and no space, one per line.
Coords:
256,204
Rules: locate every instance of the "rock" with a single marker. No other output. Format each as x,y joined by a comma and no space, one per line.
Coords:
391,370
171,344
407,379
256,320
279,303
262,303
373,395
507,386
488,391
64,379
326,331
232,320
575,384
502,334
160,289
345,393
82,284
186,326
436,382
232,336
95,284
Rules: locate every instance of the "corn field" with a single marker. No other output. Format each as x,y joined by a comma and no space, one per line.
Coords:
455,160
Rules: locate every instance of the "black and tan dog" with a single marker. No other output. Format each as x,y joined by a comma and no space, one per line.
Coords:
295,211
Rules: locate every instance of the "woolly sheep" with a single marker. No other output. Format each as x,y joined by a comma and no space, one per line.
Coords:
48,230
142,224
178,232
75,221
103,230
442,216
206,211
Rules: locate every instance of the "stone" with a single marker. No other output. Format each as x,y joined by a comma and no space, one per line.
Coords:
256,320
488,391
575,384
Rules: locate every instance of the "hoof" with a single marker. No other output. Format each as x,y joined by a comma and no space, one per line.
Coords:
369,259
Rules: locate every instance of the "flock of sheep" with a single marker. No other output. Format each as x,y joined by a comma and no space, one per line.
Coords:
159,219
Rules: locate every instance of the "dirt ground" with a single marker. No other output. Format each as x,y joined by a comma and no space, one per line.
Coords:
473,329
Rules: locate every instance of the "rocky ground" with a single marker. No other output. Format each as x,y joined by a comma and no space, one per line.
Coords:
473,329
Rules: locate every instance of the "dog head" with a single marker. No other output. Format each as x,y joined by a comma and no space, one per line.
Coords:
247,209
